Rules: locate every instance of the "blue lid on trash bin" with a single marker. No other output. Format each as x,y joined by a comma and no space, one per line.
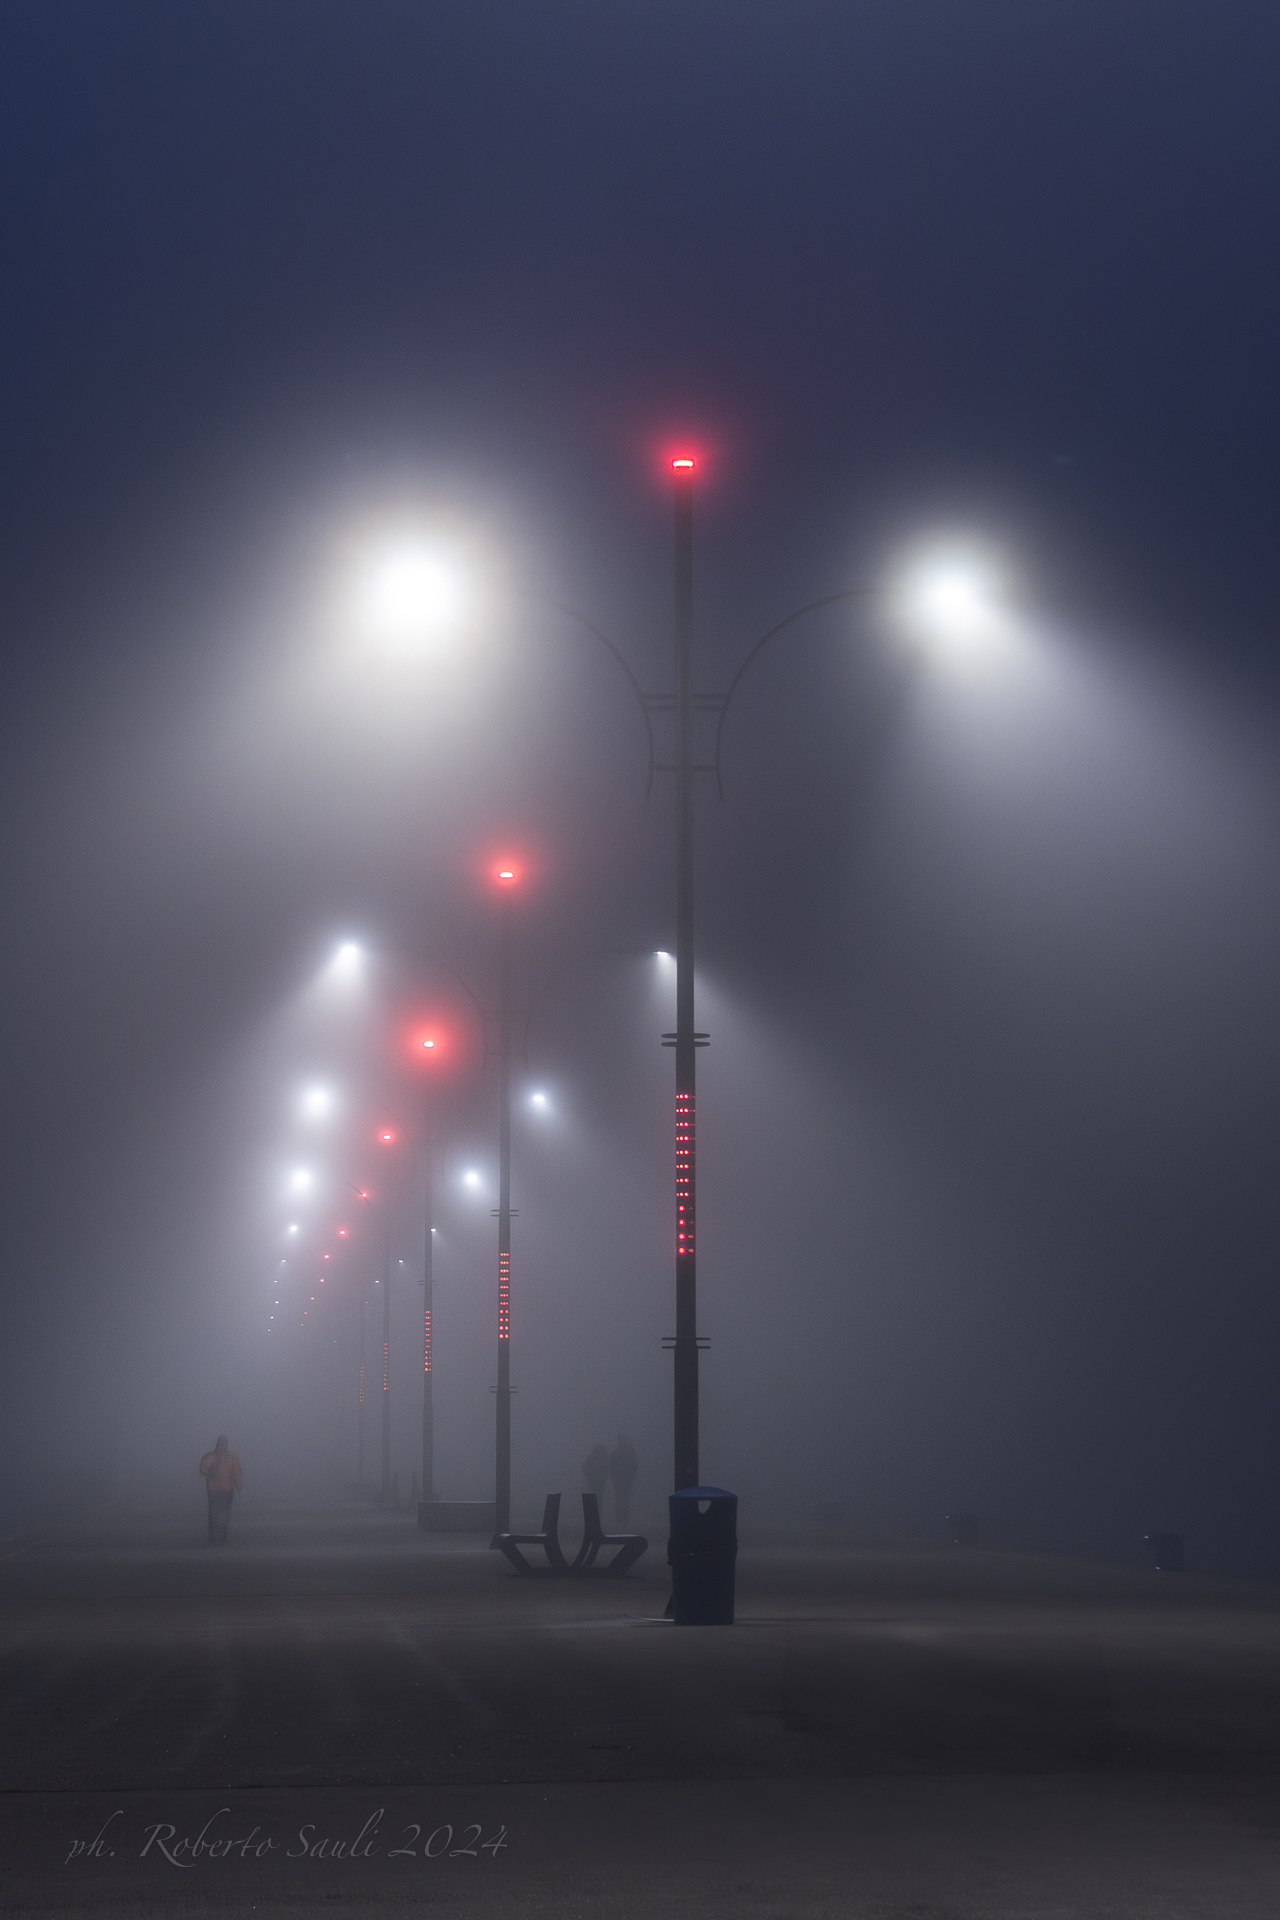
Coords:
703,1493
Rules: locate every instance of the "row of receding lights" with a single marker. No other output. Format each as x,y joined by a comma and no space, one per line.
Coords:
318,1102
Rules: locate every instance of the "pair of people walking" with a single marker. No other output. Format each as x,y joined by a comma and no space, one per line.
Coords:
223,1481
619,1463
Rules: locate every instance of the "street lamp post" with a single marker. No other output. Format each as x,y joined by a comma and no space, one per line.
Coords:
360,1398
428,1408
386,1359
362,1194
685,1039
502,1464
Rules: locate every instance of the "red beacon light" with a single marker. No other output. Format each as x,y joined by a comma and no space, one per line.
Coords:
683,463
387,1137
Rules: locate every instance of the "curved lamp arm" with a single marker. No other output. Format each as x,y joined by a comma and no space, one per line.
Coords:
580,620
812,606
436,961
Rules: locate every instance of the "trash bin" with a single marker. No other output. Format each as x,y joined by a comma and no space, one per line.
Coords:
702,1550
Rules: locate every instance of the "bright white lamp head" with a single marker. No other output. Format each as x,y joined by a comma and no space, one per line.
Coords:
410,592
954,597
316,1103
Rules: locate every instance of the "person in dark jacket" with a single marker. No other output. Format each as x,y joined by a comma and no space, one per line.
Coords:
624,1464
223,1481
595,1469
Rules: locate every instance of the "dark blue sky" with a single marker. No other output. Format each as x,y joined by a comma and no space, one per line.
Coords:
872,248
888,263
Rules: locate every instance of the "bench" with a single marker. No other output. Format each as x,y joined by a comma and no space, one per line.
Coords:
630,1545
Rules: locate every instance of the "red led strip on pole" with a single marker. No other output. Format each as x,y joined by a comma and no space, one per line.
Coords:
504,1296
684,1170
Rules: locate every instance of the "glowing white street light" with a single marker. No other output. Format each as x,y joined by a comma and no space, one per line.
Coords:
955,597
538,1100
301,1180
316,1103
409,591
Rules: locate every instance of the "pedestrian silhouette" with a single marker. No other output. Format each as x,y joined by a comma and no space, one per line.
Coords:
223,1481
595,1469
624,1464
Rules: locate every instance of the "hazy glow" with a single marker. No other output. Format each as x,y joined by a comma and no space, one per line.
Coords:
409,592
293,1228
955,598
301,1180
316,1102
471,1178
344,967
538,1100
660,955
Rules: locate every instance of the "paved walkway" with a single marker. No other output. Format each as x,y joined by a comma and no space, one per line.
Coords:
923,1733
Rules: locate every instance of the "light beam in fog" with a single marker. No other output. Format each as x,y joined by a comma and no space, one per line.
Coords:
953,595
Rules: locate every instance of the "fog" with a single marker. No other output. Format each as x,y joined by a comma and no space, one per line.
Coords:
986,951
986,947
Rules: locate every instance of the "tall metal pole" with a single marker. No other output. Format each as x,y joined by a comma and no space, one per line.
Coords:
502,1475
686,1340
428,1411
360,1398
386,1363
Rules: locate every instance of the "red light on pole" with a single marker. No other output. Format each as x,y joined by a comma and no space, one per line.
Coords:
683,464
387,1138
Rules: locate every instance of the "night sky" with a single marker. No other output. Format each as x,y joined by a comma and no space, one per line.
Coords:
989,957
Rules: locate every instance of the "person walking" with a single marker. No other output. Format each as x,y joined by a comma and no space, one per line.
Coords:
624,1464
223,1481
595,1469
